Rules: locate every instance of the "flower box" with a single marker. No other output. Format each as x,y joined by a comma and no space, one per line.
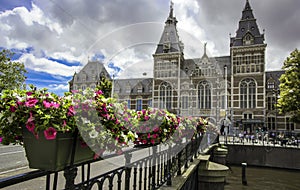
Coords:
54,155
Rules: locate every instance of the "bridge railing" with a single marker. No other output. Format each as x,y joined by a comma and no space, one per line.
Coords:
151,171
274,138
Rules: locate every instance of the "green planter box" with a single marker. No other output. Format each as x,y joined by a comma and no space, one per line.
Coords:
54,155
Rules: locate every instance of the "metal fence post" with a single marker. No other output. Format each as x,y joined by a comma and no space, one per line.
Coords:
127,170
154,153
70,172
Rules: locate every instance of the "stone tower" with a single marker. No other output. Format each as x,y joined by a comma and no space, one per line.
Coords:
168,60
247,51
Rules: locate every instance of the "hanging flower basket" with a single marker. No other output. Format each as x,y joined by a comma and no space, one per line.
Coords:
55,154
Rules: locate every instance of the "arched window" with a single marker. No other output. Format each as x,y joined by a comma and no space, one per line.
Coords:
204,95
165,93
248,93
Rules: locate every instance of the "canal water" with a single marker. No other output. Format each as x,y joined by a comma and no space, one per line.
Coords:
263,179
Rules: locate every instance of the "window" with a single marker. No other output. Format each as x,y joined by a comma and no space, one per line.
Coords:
184,102
248,39
204,95
150,103
271,84
128,89
128,104
165,100
139,104
271,123
140,89
271,103
289,125
247,93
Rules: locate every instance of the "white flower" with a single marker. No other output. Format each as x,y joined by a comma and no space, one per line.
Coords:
93,134
10,118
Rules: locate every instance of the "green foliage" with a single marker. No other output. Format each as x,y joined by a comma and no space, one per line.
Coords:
11,73
289,101
105,85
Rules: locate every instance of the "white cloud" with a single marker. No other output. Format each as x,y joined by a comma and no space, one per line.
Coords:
59,87
74,30
36,15
47,66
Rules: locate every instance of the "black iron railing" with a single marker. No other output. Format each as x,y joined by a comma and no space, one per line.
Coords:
147,172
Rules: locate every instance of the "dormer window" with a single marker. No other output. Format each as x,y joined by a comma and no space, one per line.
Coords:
166,47
248,39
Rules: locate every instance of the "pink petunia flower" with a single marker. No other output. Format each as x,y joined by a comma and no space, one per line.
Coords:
50,133
30,126
28,93
152,141
64,123
55,105
31,102
155,136
71,111
156,129
46,104
12,108
99,92
31,118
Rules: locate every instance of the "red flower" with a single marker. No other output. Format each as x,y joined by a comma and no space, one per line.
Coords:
50,133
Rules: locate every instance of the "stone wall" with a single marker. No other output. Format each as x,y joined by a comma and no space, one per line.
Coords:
280,157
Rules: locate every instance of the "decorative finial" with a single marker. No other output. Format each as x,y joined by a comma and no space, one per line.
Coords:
205,47
171,9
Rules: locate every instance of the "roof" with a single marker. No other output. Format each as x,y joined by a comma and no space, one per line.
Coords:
169,41
247,27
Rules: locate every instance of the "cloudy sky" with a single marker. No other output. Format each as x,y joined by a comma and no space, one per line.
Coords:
55,38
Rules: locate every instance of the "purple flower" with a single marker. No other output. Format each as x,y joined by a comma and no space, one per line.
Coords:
50,133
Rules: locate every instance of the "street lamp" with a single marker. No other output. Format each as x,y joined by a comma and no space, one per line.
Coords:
275,94
112,86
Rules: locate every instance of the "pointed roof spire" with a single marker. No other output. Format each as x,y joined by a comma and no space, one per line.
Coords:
248,31
169,41
171,9
247,6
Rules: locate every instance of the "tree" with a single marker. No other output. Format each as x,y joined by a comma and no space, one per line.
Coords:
105,85
12,74
289,100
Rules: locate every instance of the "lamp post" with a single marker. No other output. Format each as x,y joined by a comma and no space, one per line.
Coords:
112,86
275,94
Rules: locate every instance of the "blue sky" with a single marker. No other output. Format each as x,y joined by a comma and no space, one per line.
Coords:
56,38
